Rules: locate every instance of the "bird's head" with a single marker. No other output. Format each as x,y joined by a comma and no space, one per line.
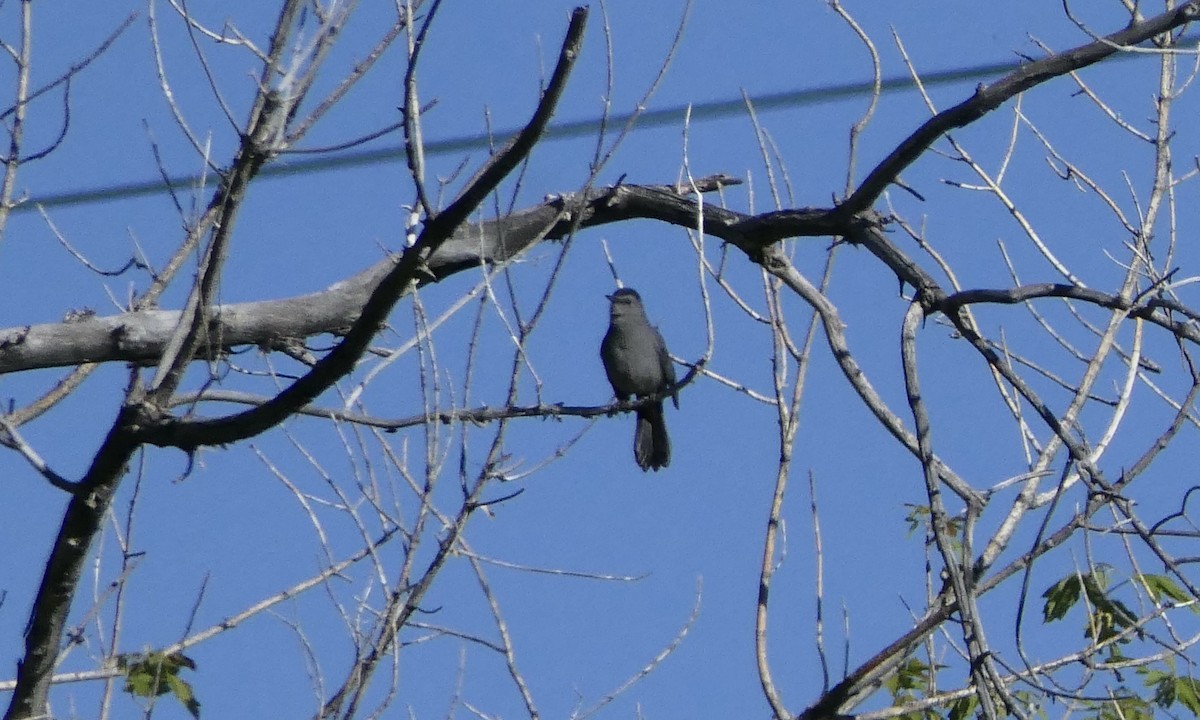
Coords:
625,301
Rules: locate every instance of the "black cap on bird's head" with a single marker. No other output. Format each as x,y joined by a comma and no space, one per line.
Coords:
624,301
624,293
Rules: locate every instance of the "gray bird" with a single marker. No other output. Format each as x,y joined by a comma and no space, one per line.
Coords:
636,361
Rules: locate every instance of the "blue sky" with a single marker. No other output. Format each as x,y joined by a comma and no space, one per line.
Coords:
697,525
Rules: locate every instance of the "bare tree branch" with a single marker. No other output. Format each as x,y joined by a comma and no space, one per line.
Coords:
989,97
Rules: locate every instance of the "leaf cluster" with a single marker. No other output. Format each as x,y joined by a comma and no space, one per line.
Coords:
151,674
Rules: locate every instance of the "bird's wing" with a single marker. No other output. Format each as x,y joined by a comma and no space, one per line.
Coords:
666,366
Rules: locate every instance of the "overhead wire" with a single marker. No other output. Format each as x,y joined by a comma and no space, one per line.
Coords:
700,112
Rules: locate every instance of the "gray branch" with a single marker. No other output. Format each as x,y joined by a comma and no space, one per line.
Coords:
140,337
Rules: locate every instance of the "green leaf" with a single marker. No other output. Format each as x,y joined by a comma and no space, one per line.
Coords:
143,684
1163,588
1093,585
1109,616
1187,692
962,708
1032,703
1164,687
1061,597
183,692
911,675
917,517
1125,707
1114,655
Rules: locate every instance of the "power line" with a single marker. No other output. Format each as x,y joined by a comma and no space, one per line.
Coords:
701,112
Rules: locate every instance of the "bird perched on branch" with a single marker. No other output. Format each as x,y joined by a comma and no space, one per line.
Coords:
636,361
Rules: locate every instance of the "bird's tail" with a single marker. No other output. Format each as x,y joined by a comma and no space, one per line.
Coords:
651,446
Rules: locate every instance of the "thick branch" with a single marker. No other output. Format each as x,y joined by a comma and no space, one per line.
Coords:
140,337
53,600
